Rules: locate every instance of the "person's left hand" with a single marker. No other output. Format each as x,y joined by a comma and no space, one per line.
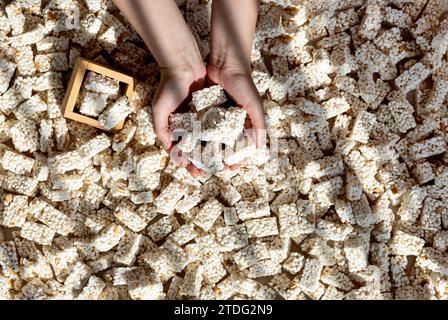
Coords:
175,89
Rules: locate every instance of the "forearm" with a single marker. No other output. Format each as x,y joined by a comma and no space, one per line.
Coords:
164,30
232,32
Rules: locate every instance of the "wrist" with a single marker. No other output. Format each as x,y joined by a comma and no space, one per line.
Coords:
224,61
224,69
188,69
182,60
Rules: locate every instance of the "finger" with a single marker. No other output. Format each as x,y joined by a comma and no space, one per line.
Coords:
179,157
256,115
161,115
232,167
194,171
235,167
255,110
202,173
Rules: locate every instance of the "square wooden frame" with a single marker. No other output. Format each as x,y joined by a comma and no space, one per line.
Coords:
83,65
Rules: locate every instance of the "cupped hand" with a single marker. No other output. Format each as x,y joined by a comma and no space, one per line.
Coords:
175,89
239,86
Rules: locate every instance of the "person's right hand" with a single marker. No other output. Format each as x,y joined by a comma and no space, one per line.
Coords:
238,84
164,30
175,89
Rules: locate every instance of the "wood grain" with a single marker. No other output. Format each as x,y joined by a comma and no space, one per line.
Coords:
80,68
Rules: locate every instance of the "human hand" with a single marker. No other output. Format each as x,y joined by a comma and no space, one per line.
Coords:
163,29
238,84
175,89
231,40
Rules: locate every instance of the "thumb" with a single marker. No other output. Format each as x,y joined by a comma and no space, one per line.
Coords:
256,114
161,115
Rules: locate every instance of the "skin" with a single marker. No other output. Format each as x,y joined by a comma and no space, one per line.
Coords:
165,32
